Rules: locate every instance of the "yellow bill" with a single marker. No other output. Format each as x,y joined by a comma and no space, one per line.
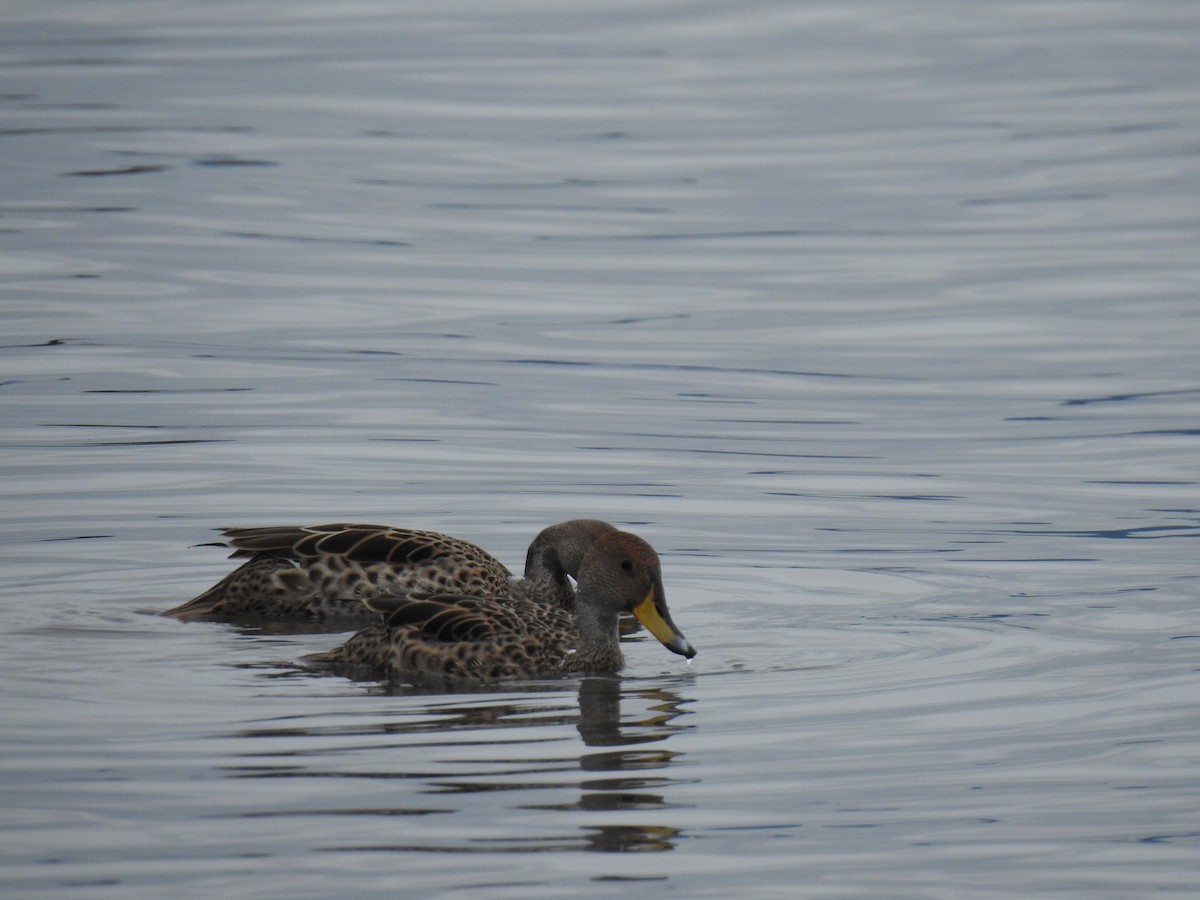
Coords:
652,613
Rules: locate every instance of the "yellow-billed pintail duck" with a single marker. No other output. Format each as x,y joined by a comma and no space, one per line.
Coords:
323,572
446,637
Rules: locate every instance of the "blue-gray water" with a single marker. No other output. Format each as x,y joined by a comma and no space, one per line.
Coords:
881,321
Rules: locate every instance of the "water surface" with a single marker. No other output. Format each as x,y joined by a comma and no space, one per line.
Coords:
878,320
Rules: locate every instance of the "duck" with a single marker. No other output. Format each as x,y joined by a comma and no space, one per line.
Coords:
330,573
444,638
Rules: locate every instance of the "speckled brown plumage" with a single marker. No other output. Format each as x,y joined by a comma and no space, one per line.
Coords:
321,572
448,638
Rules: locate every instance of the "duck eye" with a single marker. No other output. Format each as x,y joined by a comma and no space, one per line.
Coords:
626,565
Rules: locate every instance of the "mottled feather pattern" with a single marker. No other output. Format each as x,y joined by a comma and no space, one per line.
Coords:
447,638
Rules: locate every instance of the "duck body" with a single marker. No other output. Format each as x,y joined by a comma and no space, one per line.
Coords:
321,572
452,639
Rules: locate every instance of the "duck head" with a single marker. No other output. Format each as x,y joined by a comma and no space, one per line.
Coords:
621,573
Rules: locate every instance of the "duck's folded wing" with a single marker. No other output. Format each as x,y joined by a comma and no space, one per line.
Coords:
286,540
449,618
362,544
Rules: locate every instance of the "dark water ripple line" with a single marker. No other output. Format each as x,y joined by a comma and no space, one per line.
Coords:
1142,533
1132,396
354,812
310,239
632,366
72,445
594,838
137,169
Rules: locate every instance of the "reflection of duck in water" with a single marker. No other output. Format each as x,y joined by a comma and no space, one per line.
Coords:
451,637
601,724
327,571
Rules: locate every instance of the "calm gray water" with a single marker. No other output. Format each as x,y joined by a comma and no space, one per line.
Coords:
881,321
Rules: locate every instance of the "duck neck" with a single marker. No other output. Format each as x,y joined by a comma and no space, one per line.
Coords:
544,586
599,647
557,552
